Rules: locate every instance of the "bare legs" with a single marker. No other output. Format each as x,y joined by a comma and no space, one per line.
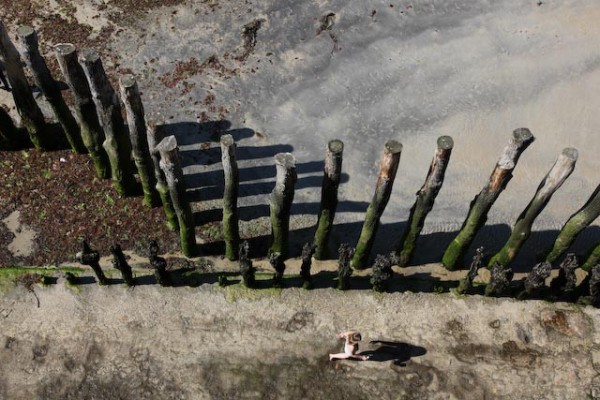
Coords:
342,356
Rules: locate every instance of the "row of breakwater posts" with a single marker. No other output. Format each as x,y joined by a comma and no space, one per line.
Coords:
100,131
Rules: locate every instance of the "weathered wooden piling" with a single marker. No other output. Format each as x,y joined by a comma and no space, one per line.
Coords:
116,143
560,171
130,95
91,131
28,109
42,77
120,262
573,227
231,232
388,167
592,259
535,282
280,202
163,277
154,135
308,250
500,280
382,273
482,203
344,269
276,261
465,285
332,173
91,258
171,166
405,246
10,138
247,270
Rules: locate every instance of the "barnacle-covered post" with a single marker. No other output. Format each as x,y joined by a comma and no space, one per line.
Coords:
31,114
482,203
466,284
116,143
535,281
247,270
344,270
120,263
91,258
136,121
231,232
563,286
332,172
560,171
573,227
171,166
500,280
163,277
43,79
280,202
154,135
91,131
388,167
382,273
276,261
307,253
424,203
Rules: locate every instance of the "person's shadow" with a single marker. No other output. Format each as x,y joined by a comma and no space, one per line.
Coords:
397,352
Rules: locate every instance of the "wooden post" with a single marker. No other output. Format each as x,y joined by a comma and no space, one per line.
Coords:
535,281
383,189
91,131
231,232
280,202
500,280
276,261
466,284
247,270
344,270
28,109
120,263
130,95
424,203
382,273
560,171
10,137
332,173
307,253
482,203
564,285
163,277
43,79
91,258
154,136
116,144
573,227
171,166
592,259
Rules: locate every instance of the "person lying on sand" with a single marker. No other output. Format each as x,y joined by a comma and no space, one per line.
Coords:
350,347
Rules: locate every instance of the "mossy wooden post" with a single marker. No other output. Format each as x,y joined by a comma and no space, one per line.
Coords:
91,258
592,259
231,173
130,95
573,227
280,202
559,172
482,203
388,167
42,77
171,166
116,143
154,135
91,131
10,137
332,173
405,246
28,109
